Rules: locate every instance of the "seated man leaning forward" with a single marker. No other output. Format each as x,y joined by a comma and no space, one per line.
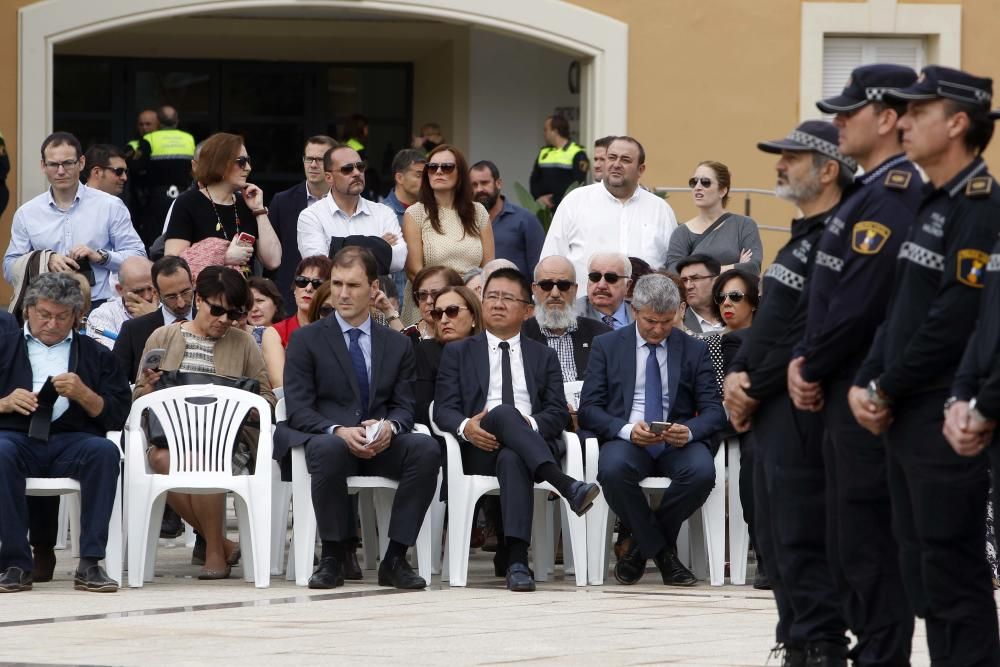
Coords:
502,395
644,386
61,393
342,375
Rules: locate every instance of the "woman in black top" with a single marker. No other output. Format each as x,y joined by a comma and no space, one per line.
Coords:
225,206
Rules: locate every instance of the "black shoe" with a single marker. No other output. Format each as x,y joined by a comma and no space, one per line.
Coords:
582,495
329,574
352,569
45,563
171,526
825,654
791,656
672,570
396,572
519,578
198,552
94,580
630,567
14,580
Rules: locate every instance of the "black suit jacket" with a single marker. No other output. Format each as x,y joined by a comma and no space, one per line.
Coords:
284,216
586,330
321,389
132,339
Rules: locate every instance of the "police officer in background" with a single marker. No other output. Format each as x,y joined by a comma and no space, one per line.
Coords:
789,501
561,163
938,496
847,297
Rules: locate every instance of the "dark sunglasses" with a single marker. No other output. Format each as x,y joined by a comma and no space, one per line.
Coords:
733,296
117,171
610,278
705,182
326,310
218,311
243,161
563,285
451,311
424,294
302,281
443,167
348,169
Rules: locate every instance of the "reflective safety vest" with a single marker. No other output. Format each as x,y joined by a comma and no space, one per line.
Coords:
170,145
561,158
354,144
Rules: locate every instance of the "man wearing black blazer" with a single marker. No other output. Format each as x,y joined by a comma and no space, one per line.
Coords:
343,375
639,378
502,395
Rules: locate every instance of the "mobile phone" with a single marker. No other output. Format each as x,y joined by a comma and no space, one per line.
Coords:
153,358
659,427
86,270
245,239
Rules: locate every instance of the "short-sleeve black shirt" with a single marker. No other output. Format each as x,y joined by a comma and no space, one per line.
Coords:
194,218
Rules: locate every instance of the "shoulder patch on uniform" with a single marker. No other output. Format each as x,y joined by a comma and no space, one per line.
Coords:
869,237
971,266
897,179
583,165
979,186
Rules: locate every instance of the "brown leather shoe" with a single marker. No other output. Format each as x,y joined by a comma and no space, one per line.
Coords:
45,563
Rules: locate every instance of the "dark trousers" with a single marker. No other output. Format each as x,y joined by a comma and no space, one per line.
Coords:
862,553
790,513
43,520
939,519
622,465
92,460
412,458
515,465
746,488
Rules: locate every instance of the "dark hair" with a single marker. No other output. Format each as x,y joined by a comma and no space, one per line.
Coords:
62,139
405,158
604,142
722,175
229,283
640,268
320,296
388,287
514,275
168,265
352,255
470,299
681,288
559,125
451,277
328,155
321,262
631,140
354,127
167,115
463,193
845,177
322,140
486,164
99,155
268,289
216,157
981,126
712,264
751,284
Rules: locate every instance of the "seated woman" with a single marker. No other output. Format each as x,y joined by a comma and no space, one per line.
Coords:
265,309
209,344
426,286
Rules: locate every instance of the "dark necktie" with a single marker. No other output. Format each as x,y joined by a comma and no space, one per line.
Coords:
506,376
609,320
654,396
360,369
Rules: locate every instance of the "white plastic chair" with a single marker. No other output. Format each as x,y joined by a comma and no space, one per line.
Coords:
281,498
739,532
712,526
465,490
201,423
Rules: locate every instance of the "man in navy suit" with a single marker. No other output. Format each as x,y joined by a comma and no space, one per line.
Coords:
502,395
639,378
342,375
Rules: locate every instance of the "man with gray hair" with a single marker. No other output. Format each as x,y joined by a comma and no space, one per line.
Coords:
608,278
61,393
651,397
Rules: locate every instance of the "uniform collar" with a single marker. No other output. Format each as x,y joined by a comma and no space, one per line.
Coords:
877,172
957,184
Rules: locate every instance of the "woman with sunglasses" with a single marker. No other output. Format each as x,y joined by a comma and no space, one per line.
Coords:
265,307
446,227
732,239
226,209
426,286
209,343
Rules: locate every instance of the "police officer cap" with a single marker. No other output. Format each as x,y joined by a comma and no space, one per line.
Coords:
813,135
936,82
868,83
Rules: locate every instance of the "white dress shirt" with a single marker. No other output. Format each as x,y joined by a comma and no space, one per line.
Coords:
324,219
590,219
706,326
105,322
639,394
494,395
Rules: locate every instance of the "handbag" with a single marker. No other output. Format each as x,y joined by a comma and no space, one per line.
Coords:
155,435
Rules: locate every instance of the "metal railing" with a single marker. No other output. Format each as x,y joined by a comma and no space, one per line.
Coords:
733,191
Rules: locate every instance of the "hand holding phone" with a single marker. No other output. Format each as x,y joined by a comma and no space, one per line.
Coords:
245,239
658,427
151,360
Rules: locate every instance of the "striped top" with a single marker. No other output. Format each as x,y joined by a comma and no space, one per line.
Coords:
199,353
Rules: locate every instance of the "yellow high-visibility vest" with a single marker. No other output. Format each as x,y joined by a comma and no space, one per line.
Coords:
170,145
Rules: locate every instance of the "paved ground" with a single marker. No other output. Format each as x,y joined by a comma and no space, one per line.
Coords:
179,620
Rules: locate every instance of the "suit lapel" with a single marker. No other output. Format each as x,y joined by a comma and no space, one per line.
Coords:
628,368
581,364
335,338
481,358
675,352
532,362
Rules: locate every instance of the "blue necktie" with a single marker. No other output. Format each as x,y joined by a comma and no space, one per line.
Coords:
360,369
654,396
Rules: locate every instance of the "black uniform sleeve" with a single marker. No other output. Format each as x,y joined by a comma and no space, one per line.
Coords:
966,380
874,363
536,180
581,167
988,398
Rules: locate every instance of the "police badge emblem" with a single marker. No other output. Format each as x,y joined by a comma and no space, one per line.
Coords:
869,237
971,267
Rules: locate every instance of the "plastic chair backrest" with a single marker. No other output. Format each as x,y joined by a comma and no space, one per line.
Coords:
572,390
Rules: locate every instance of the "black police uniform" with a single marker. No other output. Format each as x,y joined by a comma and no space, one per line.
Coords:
939,497
847,297
789,503
556,169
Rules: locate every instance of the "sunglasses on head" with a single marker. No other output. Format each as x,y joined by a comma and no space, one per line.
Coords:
243,161
610,278
348,169
443,167
705,182
563,285
302,281
734,296
451,311
218,311
117,171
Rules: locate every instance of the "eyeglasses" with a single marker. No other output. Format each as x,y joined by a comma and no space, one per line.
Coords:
705,182
735,296
308,159
58,318
326,310
690,280
302,281
218,311
505,299
349,168
443,167
65,164
118,171
451,311
609,278
563,285
183,294
424,294
243,161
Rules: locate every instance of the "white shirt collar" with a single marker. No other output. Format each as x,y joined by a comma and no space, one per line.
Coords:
635,195
494,342
642,342
31,338
365,326
362,209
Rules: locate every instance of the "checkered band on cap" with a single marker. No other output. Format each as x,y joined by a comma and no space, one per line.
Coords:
963,93
875,94
822,146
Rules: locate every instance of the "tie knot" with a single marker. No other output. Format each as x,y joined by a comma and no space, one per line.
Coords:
652,347
355,334
504,345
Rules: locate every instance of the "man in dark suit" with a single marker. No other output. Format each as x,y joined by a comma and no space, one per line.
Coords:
287,204
608,278
343,375
639,379
502,395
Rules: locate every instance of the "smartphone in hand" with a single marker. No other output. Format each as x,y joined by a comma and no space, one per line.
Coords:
245,239
659,427
153,358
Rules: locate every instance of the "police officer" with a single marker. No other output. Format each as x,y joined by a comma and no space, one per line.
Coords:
847,297
938,497
355,135
164,172
560,164
788,465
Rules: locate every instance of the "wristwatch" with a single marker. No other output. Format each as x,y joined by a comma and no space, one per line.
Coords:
104,255
394,315
257,212
973,412
952,400
876,395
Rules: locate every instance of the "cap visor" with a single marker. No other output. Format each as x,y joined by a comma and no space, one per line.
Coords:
779,145
995,114
840,103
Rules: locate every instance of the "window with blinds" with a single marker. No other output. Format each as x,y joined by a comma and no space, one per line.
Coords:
843,54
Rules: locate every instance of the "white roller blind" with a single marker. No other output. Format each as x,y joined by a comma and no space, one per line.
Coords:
843,54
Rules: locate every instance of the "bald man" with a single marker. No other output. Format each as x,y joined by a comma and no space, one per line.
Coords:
136,297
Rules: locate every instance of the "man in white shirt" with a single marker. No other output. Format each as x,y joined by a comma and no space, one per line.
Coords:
136,297
615,215
698,273
344,212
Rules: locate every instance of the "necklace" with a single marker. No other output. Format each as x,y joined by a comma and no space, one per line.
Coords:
218,219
